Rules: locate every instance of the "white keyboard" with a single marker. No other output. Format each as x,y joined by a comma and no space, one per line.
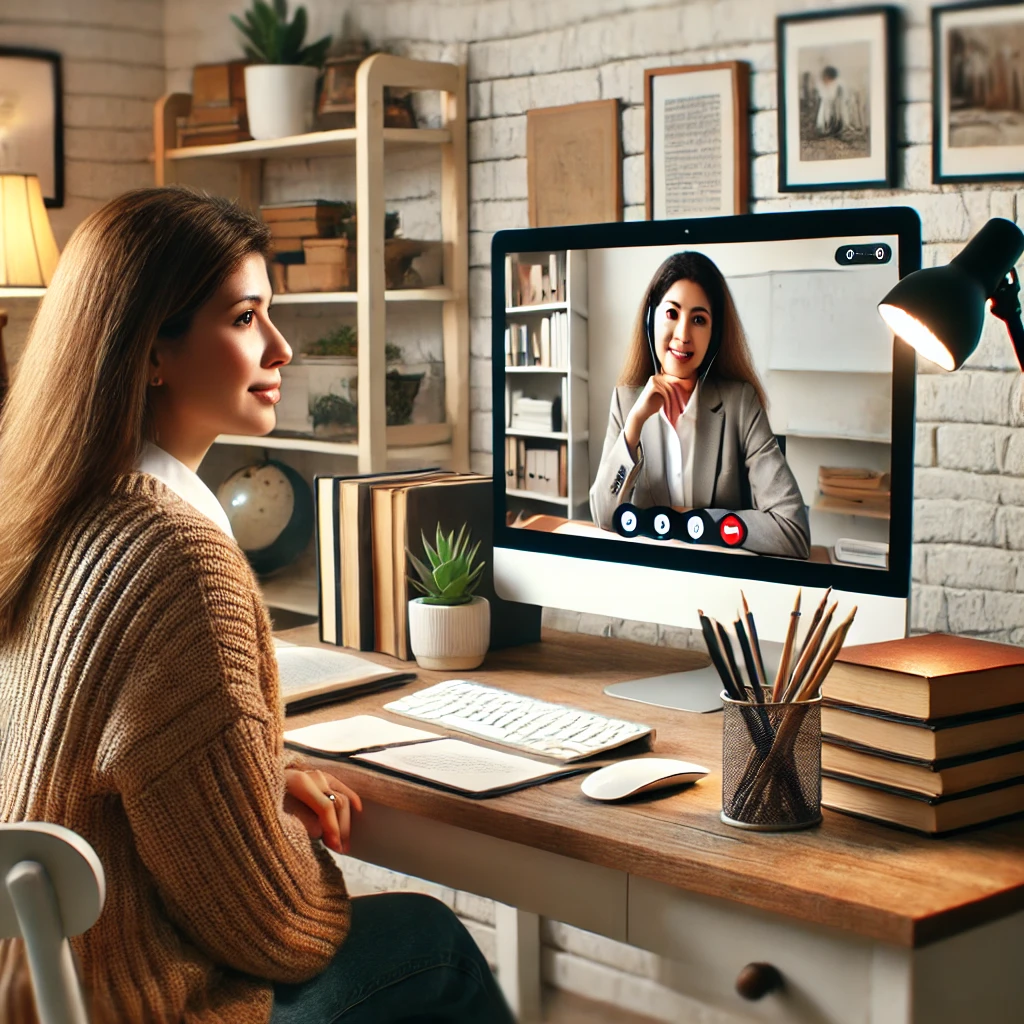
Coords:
553,730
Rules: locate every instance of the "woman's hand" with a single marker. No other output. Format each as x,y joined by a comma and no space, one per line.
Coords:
306,796
662,391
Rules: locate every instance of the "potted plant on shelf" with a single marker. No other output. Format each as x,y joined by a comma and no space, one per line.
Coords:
280,86
450,626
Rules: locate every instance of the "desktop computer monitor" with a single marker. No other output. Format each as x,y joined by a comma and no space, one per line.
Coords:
792,465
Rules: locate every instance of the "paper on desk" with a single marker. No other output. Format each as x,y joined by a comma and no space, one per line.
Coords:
360,732
461,765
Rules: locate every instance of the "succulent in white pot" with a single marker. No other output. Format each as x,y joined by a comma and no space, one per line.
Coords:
450,626
280,84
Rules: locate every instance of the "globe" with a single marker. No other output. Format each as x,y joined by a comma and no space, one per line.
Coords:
270,508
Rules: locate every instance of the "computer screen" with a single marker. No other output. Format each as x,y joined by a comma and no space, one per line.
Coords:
715,396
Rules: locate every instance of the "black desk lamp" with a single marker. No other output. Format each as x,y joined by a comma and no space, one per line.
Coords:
940,311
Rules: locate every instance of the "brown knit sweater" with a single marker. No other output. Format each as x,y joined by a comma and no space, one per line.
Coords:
139,707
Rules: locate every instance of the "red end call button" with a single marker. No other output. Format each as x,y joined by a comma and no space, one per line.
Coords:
732,530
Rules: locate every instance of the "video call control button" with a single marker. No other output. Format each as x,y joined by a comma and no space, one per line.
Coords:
876,253
732,530
662,526
626,520
694,526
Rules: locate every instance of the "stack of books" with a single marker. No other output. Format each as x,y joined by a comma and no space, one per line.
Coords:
926,733
541,469
536,415
856,491
365,525
292,226
532,280
544,342
218,112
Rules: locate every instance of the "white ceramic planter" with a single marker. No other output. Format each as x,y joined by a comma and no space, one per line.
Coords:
279,99
449,636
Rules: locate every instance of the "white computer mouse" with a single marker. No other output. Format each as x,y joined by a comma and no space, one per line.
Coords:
639,775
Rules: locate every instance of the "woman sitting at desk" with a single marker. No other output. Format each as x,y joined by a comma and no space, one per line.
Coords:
687,425
139,696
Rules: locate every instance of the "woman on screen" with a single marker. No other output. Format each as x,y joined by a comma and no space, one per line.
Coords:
687,425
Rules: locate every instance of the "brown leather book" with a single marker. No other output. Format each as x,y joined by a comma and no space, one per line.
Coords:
924,741
931,815
929,778
925,677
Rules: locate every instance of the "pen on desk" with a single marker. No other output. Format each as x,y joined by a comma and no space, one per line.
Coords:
755,643
787,652
715,653
748,659
812,644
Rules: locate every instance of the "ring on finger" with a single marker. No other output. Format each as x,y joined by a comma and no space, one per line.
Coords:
332,798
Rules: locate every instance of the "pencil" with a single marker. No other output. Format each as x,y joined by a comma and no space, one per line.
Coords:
812,644
723,639
755,644
748,659
828,656
787,652
812,625
715,653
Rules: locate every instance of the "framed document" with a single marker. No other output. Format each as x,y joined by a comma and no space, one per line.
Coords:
574,164
836,78
978,92
31,122
697,140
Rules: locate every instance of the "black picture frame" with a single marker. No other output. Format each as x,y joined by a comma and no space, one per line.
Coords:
949,166
867,171
25,158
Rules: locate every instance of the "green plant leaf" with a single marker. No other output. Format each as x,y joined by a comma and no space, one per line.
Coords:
444,574
255,48
281,9
425,574
292,36
431,554
268,30
315,55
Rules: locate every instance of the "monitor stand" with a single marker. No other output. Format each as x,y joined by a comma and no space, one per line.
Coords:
698,689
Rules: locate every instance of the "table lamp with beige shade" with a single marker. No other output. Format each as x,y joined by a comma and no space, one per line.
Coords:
28,250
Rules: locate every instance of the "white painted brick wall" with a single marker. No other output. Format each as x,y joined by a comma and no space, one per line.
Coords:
113,66
969,493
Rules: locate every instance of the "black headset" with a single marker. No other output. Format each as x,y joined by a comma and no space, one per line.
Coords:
709,356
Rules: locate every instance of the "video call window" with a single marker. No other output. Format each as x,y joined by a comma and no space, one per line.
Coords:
729,396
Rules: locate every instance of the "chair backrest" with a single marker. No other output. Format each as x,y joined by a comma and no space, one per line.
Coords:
53,887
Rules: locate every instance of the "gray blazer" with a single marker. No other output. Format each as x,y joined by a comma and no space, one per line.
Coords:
737,467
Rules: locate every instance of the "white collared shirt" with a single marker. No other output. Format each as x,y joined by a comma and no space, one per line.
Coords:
186,484
678,443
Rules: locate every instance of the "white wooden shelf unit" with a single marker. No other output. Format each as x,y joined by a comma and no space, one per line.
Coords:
546,382
369,142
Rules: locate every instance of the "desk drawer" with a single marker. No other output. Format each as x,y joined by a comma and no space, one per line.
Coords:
828,976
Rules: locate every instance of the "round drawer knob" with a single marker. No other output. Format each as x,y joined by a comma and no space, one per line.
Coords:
757,980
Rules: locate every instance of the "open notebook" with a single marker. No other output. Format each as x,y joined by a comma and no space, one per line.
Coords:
311,676
465,768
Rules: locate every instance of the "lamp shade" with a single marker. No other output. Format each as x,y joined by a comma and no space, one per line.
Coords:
940,311
28,250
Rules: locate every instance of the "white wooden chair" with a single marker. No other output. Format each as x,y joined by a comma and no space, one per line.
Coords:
53,887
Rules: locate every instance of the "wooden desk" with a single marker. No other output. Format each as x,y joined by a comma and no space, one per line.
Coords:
867,924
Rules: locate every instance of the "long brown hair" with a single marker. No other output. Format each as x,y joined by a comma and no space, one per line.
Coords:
76,414
732,361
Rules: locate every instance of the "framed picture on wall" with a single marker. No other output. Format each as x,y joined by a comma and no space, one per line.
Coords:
978,92
836,75
574,164
697,152
31,118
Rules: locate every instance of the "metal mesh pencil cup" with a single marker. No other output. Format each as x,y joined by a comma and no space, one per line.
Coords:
771,764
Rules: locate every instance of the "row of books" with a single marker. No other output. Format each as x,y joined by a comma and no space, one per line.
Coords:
534,280
529,468
542,343
537,415
365,525
926,733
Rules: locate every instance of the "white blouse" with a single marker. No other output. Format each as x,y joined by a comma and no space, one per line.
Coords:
186,484
678,443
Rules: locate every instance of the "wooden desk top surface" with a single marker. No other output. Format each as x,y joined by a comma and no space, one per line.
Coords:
878,882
